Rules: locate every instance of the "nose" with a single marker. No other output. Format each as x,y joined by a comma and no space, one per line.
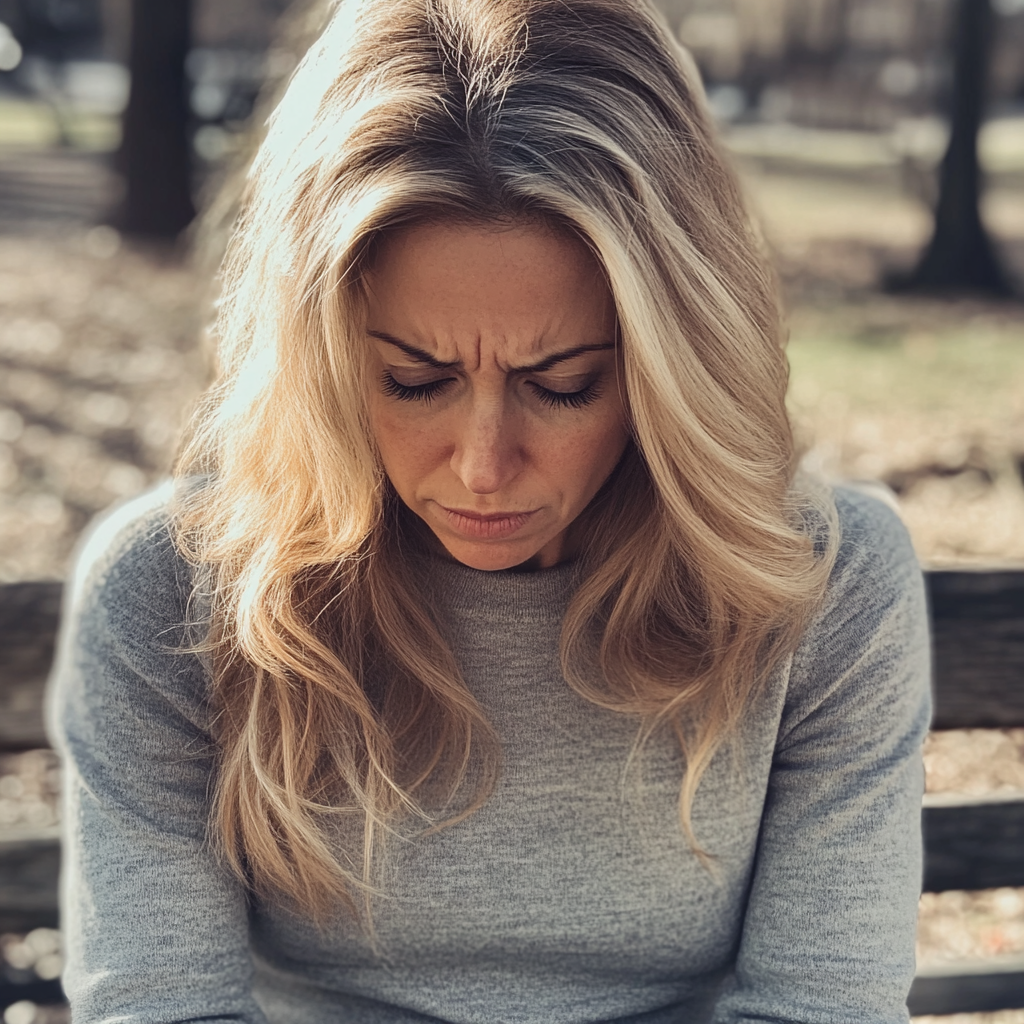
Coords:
488,453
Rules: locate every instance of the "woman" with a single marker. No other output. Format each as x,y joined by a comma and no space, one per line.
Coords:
488,662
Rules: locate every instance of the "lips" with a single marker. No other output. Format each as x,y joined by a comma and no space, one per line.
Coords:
487,526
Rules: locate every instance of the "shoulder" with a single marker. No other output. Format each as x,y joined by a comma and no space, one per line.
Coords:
129,695
130,624
867,644
875,559
129,566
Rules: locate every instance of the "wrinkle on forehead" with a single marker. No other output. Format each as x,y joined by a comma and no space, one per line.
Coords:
492,349
489,296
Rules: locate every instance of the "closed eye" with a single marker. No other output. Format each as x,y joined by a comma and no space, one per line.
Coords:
414,392
567,399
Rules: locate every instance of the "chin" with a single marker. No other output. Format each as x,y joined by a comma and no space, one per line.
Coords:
492,559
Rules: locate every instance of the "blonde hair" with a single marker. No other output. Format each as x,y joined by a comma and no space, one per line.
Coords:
702,558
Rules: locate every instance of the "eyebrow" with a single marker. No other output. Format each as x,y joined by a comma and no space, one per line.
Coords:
545,364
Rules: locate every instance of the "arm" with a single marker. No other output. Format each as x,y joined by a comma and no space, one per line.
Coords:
156,931
829,931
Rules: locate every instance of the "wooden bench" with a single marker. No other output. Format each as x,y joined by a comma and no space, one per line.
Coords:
978,637
978,628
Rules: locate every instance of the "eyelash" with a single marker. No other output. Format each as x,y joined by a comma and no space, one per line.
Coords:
568,399
418,393
428,392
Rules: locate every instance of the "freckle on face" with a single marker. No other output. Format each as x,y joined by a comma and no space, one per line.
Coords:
496,459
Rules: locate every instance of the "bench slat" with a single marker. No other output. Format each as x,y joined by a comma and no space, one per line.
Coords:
979,846
29,613
29,869
970,993
978,636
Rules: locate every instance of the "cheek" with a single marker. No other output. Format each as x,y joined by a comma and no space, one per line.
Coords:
409,448
588,455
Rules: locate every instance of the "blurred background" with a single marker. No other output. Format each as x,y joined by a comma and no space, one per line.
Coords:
882,146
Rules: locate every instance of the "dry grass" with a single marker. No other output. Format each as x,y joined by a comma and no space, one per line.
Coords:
927,395
100,365
928,399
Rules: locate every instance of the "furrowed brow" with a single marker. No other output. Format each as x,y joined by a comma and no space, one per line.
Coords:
545,364
415,353
561,357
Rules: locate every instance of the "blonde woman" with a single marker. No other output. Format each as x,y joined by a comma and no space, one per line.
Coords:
488,662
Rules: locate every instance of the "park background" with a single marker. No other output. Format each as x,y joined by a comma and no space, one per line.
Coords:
907,366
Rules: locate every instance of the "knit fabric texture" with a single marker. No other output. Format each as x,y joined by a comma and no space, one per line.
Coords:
572,896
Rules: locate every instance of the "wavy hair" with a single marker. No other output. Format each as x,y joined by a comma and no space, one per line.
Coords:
701,559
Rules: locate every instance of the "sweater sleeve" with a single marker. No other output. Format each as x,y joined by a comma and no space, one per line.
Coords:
156,931
828,935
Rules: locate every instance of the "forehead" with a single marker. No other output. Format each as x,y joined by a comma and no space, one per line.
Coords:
454,283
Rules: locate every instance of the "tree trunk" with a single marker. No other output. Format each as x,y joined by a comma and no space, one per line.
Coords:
155,156
960,255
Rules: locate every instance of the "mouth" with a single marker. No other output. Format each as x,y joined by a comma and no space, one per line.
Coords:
488,526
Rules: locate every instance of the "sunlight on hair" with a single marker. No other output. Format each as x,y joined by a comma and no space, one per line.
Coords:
703,559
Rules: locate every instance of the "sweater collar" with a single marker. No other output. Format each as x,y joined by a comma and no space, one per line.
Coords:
503,594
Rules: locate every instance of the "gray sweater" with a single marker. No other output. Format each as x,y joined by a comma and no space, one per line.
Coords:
572,895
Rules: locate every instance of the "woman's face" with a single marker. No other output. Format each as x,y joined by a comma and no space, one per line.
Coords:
495,402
